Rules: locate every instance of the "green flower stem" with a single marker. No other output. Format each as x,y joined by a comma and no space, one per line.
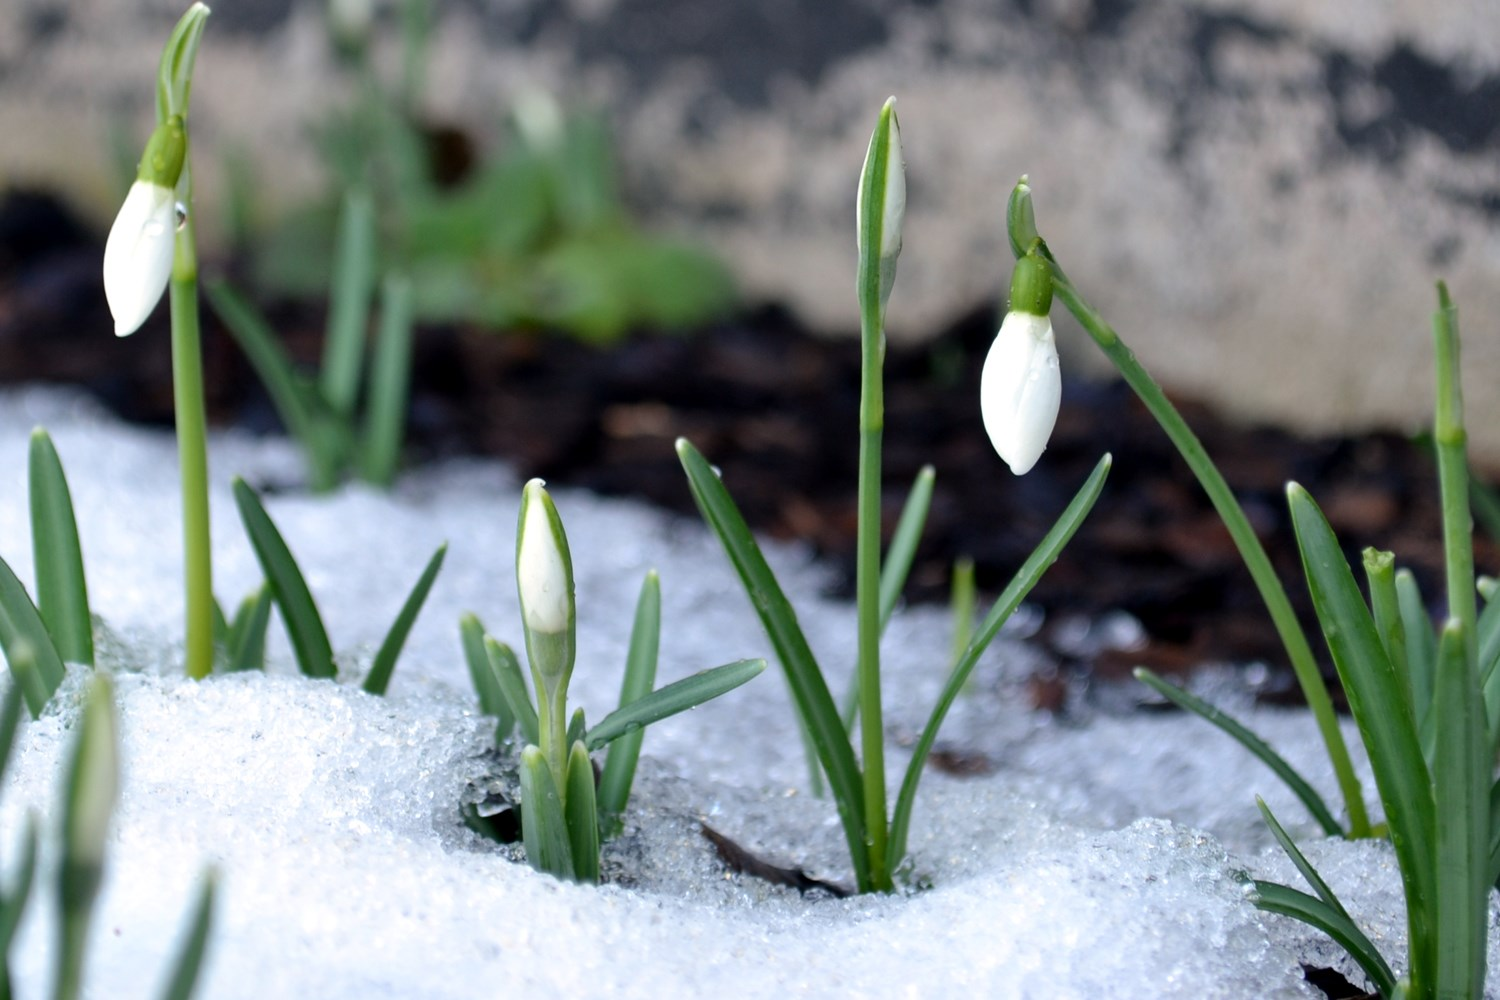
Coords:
867,539
552,729
1451,439
192,443
1233,516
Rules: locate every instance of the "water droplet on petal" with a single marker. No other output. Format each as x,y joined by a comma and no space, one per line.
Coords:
182,214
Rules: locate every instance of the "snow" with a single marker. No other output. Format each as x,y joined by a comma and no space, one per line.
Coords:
1103,855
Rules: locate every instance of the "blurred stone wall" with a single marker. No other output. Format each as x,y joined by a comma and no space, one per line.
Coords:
1258,193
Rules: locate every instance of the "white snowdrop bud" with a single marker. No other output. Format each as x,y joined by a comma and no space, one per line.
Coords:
1020,388
138,253
543,576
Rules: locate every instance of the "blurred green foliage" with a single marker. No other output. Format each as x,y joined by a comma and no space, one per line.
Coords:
536,235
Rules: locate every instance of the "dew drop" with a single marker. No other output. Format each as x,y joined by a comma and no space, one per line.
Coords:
153,230
182,214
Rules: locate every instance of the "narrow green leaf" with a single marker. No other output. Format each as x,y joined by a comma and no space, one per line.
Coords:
894,571
390,381
189,961
815,707
679,696
1250,741
10,723
1383,712
482,673
1043,556
246,641
19,893
1325,893
349,297
1486,504
507,670
1289,902
1380,574
390,649
582,815
543,828
1494,874
61,595
1421,650
28,645
961,603
221,624
304,625
295,399
1488,628
640,678
1461,778
577,727
903,548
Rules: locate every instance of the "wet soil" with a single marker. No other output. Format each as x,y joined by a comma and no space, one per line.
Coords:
775,408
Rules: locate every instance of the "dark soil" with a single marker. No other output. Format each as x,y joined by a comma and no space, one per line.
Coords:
775,408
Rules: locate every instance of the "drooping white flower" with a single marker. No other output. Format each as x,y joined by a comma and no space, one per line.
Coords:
138,254
1020,389
542,575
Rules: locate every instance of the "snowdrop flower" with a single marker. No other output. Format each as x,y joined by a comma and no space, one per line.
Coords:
542,574
138,253
1021,386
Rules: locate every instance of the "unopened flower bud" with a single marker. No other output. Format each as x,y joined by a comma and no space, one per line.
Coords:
543,576
138,253
883,181
1020,388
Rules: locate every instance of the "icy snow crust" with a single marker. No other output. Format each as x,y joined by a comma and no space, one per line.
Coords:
1101,858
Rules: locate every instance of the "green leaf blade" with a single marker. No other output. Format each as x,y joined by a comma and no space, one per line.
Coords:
295,399
1043,556
640,678
676,697
1382,710
543,827
903,548
507,671
390,383
61,594
582,816
245,641
483,674
28,645
1462,774
815,706
350,292
304,625
1289,902
189,962
390,649
1250,741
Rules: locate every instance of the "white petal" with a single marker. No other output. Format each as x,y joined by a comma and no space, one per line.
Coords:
540,574
1020,389
138,255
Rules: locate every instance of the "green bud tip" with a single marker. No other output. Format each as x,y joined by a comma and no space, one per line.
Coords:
166,150
1031,285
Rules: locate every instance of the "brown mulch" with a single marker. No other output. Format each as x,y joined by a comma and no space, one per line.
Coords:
775,409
